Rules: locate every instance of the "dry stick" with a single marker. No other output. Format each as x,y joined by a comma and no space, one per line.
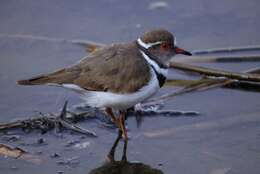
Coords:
18,153
188,83
229,82
38,122
205,85
48,122
90,45
227,50
215,72
193,88
241,85
69,125
220,59
15,124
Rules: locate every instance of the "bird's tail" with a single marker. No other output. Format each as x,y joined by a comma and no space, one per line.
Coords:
33,81
52,78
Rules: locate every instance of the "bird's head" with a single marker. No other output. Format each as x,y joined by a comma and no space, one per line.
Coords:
161,44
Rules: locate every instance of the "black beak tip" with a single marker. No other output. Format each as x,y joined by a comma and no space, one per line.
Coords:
179,50
188,53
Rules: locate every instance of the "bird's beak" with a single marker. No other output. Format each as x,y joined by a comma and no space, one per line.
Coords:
178,50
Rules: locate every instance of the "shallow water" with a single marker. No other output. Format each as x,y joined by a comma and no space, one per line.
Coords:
225,138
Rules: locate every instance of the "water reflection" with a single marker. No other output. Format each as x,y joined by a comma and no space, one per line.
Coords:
111,154
123,166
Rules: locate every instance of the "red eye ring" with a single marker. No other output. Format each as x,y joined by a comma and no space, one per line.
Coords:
165,46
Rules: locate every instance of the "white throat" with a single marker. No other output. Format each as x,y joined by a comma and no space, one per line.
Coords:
163,71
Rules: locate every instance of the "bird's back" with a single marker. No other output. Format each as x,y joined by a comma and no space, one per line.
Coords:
118,68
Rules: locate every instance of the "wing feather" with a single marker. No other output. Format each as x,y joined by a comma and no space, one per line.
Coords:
116,68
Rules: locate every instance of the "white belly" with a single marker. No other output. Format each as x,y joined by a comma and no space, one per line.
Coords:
122,101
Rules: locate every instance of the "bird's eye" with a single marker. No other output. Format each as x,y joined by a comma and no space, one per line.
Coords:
165,46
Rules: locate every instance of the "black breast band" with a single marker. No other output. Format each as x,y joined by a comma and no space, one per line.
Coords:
161,78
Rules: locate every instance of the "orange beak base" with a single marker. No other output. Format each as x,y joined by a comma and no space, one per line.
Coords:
181,51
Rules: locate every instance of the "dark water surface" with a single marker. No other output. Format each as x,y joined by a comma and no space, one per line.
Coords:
224,139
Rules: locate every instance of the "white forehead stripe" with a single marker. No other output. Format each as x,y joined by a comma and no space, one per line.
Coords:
147,45
162,71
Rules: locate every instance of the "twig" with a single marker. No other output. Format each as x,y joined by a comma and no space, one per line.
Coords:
199,85
220,59
228,50
189,83
48,122
188,89
241,85
89,45
18,153
69,125
215,72
12,125
73,127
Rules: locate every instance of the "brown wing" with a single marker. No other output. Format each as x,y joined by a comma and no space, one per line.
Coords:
116,68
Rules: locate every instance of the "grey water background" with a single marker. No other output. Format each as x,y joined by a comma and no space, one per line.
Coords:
224,139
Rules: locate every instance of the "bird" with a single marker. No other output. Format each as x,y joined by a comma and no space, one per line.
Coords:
118,76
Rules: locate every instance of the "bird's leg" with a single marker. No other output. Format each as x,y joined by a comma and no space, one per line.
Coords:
111,154
124,132
124,158
122,124
109,111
